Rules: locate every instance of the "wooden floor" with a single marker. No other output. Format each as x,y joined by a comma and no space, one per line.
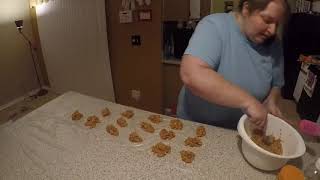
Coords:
24,107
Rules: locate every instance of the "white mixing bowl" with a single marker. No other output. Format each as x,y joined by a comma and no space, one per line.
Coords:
292,144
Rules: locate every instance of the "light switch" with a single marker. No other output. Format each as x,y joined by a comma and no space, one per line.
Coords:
136,40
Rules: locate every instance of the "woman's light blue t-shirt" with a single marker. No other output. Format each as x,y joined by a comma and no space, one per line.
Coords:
219,42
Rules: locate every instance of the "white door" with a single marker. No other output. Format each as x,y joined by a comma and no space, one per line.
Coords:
74,41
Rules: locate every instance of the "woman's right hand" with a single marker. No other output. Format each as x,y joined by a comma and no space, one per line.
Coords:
257,113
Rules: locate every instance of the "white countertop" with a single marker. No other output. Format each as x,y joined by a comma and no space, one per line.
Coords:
47,144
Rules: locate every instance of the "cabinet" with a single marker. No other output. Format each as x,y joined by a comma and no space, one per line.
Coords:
179,10
176,10
205,8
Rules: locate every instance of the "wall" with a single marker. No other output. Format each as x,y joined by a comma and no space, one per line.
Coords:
292,4
17,75
170,13
218,5
74,43
39,54
138,68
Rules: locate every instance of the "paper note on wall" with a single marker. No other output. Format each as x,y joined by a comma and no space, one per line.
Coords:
125,16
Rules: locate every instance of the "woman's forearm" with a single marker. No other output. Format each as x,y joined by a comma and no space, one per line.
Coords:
209,85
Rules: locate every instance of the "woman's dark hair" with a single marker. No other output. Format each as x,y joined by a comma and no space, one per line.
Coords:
254,5
262,4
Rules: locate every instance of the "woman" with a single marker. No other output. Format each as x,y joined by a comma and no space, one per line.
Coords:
234,65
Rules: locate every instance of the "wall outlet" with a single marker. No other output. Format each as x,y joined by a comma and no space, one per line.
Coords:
167,111
135,94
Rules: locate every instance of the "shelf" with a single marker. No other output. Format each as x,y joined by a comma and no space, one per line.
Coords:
172,61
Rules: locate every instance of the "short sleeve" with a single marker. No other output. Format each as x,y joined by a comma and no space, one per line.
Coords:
278,68
205,43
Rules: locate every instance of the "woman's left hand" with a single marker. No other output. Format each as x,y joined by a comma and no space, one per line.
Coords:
271,102
273,107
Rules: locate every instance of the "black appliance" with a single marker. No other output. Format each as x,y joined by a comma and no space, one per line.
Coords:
301,36
309,106
176,38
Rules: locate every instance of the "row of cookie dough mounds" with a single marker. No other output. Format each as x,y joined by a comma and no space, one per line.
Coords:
133,136
189,156
160,149
76,115
93,120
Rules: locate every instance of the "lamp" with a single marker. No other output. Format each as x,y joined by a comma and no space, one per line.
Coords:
19,25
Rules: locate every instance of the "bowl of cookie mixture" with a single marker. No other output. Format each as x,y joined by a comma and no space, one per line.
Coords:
273,149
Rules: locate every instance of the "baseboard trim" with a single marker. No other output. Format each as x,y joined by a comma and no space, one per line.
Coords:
18,99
